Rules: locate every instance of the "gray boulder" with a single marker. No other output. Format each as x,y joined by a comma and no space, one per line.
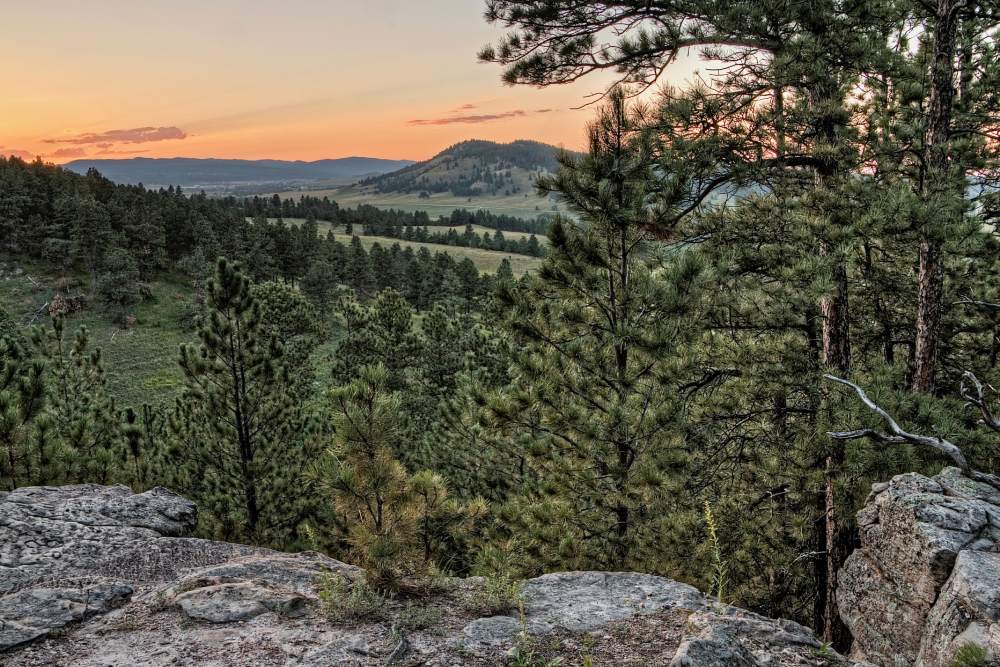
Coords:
33,613
72,552
967,610
115,574
239,601
739,638
898,592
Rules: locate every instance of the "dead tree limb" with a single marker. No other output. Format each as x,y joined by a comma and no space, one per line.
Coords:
899,436
38,313
972,391
981,304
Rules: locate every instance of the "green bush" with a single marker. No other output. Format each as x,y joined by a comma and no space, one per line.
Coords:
969,655
345,599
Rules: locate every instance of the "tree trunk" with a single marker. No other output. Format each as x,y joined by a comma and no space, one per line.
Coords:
930,278
836,325
835,315
837,542
930,289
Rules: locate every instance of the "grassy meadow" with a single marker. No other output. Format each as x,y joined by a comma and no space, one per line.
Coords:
140,362
438,204
486,260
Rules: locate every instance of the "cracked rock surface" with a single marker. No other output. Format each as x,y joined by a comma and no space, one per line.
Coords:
95,576
927,576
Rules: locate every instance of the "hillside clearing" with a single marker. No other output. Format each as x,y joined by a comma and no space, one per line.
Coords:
140,363
487,261
438,204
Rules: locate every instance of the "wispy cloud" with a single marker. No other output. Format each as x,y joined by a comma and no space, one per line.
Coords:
470,118
15,152
136,135
543,110
465,107
127,151
62,153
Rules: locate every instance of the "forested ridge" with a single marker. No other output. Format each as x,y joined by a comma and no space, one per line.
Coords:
473,168
692,384
123,235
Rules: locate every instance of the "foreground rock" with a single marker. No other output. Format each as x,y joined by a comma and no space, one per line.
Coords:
100,576
926,580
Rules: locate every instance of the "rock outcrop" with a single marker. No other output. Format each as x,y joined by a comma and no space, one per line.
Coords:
926,580
95,575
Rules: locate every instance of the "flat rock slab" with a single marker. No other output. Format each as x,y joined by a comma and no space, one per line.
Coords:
177,601
33,613
583,601
291,572
227,603
47,532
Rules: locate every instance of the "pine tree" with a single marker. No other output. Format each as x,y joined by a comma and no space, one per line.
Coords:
382,332
144,433
292,320
239,433
394,523
83,416
359,270
595,399
118,284
319,284
29,455
775,117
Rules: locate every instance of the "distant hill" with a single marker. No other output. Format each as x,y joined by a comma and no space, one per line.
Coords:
473,168
212,172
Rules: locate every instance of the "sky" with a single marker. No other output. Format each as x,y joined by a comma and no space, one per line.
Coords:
295,79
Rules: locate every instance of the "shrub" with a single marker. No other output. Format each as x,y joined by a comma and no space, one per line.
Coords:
419,617
720,568
345,599
969,655
497,596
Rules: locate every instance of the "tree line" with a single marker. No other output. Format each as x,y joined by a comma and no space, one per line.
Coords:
122,237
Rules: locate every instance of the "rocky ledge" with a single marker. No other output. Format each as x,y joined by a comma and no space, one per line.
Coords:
926,580
93,575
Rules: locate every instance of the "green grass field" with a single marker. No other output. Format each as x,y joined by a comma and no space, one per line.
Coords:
438,204
488,261
140,362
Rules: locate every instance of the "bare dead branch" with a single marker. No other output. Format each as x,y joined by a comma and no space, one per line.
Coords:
981,304
44,308
974,395
898,434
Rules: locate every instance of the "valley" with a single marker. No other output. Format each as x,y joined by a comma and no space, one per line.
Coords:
436,204
487,261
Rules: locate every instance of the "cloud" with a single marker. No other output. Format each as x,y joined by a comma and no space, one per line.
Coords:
543,110
464,107
478,118
127,151
136,135
68,152
27,156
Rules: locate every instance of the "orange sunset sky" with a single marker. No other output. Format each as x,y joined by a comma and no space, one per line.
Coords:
298,79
